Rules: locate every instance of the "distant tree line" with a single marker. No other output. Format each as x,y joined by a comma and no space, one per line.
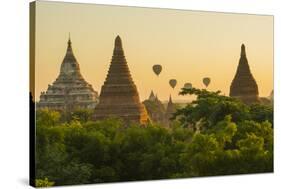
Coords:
214,135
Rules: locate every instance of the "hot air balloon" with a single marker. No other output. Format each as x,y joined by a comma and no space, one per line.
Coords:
187,85
206,81
157,68
173,83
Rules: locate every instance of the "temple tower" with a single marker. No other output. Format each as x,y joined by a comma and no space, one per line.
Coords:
155,108
69,91
119,96
169,111
244,86
151,96
170,108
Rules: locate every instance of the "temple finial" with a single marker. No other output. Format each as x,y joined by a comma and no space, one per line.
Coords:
170,99
243,50
69,39
118,41
118,49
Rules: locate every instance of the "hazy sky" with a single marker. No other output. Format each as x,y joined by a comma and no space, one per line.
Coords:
189,45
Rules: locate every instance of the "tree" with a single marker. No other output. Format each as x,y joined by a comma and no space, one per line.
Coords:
47,117
83,115
260,113
214,135
209,108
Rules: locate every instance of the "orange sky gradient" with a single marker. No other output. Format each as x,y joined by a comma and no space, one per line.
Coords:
189,45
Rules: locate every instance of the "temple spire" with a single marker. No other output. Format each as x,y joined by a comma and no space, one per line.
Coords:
119,96
69,48
118,42
69,64
118,49
169,110
151,96
156,97
60,95
244,86
243,50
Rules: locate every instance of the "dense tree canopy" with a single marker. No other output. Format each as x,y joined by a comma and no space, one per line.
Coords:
214,135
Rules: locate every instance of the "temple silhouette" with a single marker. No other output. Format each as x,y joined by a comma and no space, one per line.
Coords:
170,109
119,96
157,111
244,86
69,91
155,108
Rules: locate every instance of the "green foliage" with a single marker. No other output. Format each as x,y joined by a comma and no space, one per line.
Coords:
82,115
224,131
43,183
215,135
209,108
47,117
262,113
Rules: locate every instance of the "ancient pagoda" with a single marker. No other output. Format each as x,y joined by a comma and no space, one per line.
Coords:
244,86
119,96
170,110
155,108
69,91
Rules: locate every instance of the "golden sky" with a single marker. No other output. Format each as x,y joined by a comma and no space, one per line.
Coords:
189,45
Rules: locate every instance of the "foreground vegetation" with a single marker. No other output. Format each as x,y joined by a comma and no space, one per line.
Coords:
214,135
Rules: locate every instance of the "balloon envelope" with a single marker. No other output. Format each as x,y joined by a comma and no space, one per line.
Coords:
173,83
206,81
187,85
157,69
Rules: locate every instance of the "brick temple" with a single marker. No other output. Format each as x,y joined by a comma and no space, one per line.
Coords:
244,86
70,90
119,96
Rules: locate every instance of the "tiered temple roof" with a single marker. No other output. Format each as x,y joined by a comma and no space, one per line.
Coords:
69,91
119,96
244,86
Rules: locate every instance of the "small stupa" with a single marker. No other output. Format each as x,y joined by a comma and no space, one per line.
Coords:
151,96
244,86
119,96
69,91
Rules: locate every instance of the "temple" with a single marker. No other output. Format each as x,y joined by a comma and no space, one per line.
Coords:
170,109
151,96
119,96
69,91
155,108
244,86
